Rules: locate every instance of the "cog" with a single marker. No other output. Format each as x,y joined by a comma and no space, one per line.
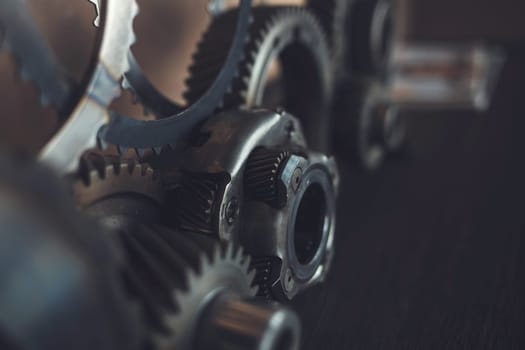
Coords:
176,122
62,255
89,112
101,176
175,274
294,37
332,15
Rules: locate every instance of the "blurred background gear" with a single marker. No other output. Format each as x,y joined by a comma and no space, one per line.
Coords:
428,248
60,274
286,64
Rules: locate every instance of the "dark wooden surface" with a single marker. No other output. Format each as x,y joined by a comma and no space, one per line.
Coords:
430,250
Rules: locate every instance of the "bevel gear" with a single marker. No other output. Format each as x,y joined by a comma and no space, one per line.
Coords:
374,125
293,37
176,122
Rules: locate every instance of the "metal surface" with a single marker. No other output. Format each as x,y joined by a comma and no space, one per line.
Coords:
292,37
79,132
172,129
264,231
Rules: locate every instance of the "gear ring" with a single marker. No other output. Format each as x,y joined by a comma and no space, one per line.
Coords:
79,132
176,122
293,35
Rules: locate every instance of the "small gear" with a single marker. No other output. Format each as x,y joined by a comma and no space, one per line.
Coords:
262,176
294,37
198,200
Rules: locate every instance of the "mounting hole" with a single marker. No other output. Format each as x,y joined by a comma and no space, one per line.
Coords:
309,223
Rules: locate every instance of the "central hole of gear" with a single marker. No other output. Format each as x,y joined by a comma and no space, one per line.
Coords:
309,223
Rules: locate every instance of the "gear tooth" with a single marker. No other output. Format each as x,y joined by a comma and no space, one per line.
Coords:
140,152
157,150
261,176
198,197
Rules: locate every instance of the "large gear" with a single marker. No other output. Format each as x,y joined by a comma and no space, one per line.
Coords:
332,15
60,275
79,133
294,37
85,106
186,283
176,122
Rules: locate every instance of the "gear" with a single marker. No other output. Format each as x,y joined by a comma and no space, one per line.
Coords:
60,281
177,122
262,176
89,112
36,60
103,176
294,36
198,198
332,15
377,127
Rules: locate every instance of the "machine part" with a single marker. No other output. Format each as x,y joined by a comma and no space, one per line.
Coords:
89,113
259,160
370,29
440,76
293,37
332,15
373,127
196,293
130,190
175,122
192,289
37,61
60,277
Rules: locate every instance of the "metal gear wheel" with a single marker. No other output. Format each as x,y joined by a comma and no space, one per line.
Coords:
176,122
85,106
187,284
294,37
266,191
332,15
60,277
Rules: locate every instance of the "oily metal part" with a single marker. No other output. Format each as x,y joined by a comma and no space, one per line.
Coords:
90,113
64,261
293,37
37,61
225,159
172,128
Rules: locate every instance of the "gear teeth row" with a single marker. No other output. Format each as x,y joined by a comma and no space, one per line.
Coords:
332,15
211,51
101,176
197,204
165,266
263,268
37,63
261,176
